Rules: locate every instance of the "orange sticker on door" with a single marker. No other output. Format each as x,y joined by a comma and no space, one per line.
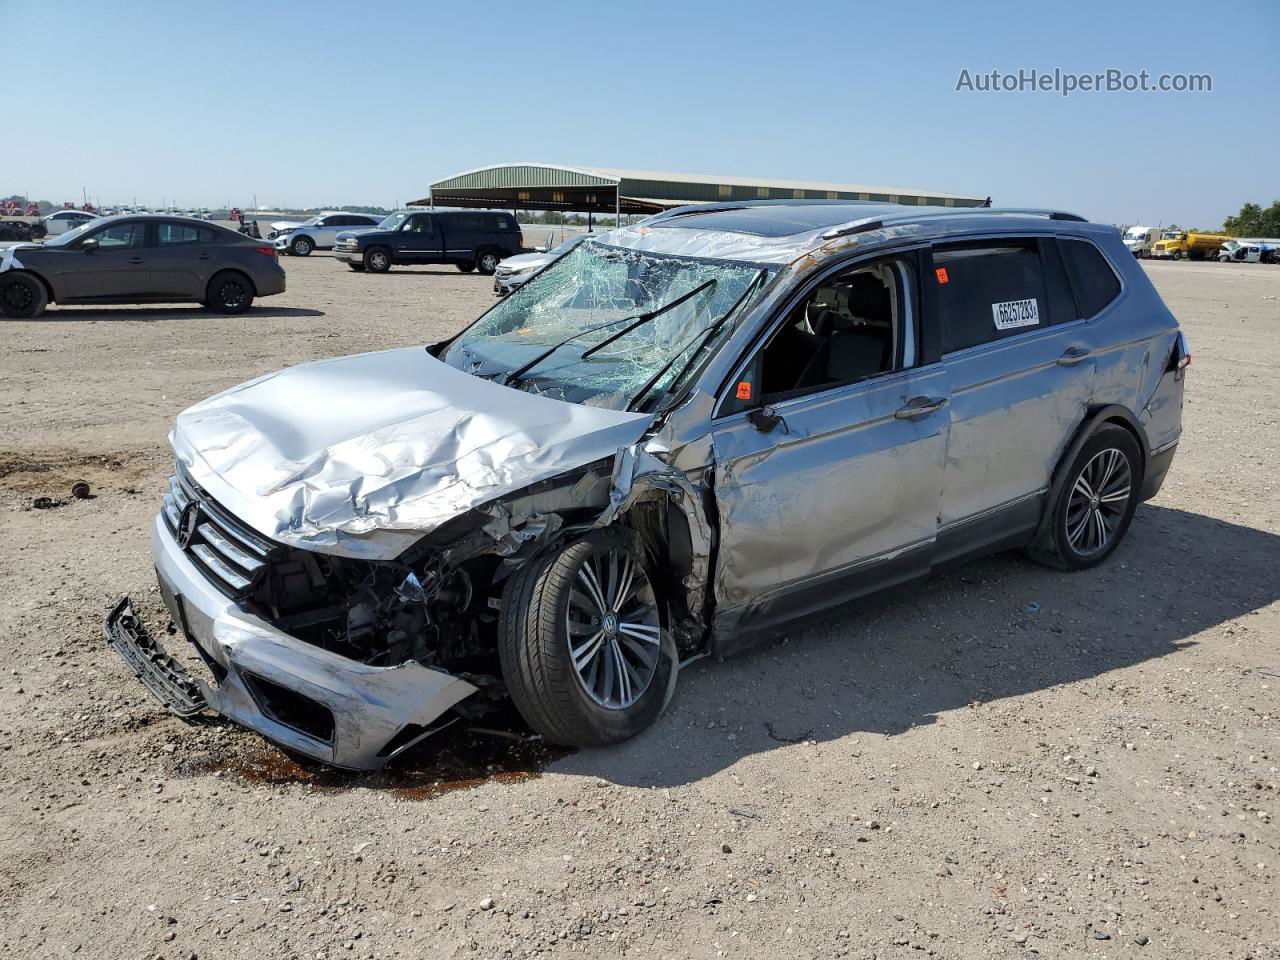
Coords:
941,273
744,390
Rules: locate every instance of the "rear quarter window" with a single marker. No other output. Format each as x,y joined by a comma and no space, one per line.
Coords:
988,290
1092,280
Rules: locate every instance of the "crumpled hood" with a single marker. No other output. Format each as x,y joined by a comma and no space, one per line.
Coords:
361,456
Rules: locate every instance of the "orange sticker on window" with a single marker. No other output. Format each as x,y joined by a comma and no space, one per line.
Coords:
942,275
744,390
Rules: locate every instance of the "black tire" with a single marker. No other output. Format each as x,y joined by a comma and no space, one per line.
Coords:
541,608
301,246
487,261
22,296
1111,461
358,267
377,259
465,267
1177,254
39,231
229,292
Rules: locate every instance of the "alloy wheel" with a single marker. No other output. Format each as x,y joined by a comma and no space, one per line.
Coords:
1098,501
613,628
231,294
17,296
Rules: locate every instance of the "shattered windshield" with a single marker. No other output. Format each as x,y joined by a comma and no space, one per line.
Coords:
608,326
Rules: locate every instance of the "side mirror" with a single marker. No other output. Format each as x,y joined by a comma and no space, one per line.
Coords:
766,419
89,246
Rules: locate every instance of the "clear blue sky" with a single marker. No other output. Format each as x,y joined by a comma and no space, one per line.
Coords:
317,103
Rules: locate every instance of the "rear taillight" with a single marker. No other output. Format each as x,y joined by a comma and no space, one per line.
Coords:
1180,359
266,251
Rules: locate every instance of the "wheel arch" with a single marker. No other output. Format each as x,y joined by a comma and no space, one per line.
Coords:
1095,417
44,281
231,269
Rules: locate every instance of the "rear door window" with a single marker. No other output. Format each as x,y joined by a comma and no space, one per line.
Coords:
121,236
989,290
171,234
1092,279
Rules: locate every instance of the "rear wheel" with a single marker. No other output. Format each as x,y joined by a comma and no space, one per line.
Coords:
582,645
39,231
229,292
1096,502
487,262
22,296
302,246
465,267
377,260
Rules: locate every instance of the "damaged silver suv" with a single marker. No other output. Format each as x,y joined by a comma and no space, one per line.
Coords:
675,438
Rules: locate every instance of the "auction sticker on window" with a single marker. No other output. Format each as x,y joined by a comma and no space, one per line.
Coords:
1016,313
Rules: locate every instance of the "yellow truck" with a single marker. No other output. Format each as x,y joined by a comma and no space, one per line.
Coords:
1176,244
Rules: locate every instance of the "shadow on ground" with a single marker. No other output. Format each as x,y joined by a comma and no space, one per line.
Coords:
165,312
998,628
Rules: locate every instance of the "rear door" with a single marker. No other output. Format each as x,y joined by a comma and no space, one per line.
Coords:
181,260
118,268
1021,375
830,489
420,239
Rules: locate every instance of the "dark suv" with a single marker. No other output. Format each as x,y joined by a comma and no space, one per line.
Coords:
470,241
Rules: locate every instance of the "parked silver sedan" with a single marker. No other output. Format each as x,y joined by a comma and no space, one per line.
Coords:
512,272
669,443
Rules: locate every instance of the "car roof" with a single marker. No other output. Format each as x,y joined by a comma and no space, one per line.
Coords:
771,231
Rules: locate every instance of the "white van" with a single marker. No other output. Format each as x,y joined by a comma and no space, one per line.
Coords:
1138,240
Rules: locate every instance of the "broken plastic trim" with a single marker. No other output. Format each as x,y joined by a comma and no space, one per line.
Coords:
167,680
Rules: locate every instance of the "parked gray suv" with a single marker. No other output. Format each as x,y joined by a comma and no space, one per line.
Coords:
668,443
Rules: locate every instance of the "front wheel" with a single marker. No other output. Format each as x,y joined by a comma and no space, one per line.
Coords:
377,260
302,246
582,646
22,296
1177,254
1095,503
229,292
465,267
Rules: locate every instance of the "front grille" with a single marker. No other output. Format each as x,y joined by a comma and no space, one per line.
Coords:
229,554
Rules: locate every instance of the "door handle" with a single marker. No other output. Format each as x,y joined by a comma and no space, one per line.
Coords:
920,407
1072,355
136,260
204,256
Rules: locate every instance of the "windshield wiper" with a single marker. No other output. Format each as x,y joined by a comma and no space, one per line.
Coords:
638,318
706,336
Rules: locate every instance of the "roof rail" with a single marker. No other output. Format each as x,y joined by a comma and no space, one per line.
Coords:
862,226
689,209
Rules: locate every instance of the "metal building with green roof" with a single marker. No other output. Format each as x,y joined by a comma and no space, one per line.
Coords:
545,186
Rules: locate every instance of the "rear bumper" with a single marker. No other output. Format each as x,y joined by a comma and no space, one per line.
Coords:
1158,465
289,691
270,283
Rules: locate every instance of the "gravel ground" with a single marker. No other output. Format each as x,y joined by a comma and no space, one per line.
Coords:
1002,762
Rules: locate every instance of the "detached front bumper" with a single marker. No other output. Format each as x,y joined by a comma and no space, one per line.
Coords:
328,707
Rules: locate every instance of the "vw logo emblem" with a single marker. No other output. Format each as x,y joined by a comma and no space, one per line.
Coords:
187,523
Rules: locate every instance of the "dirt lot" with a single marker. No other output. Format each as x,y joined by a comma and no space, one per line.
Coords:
1003,762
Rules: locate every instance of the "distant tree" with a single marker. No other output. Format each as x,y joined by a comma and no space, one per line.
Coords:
1253,221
